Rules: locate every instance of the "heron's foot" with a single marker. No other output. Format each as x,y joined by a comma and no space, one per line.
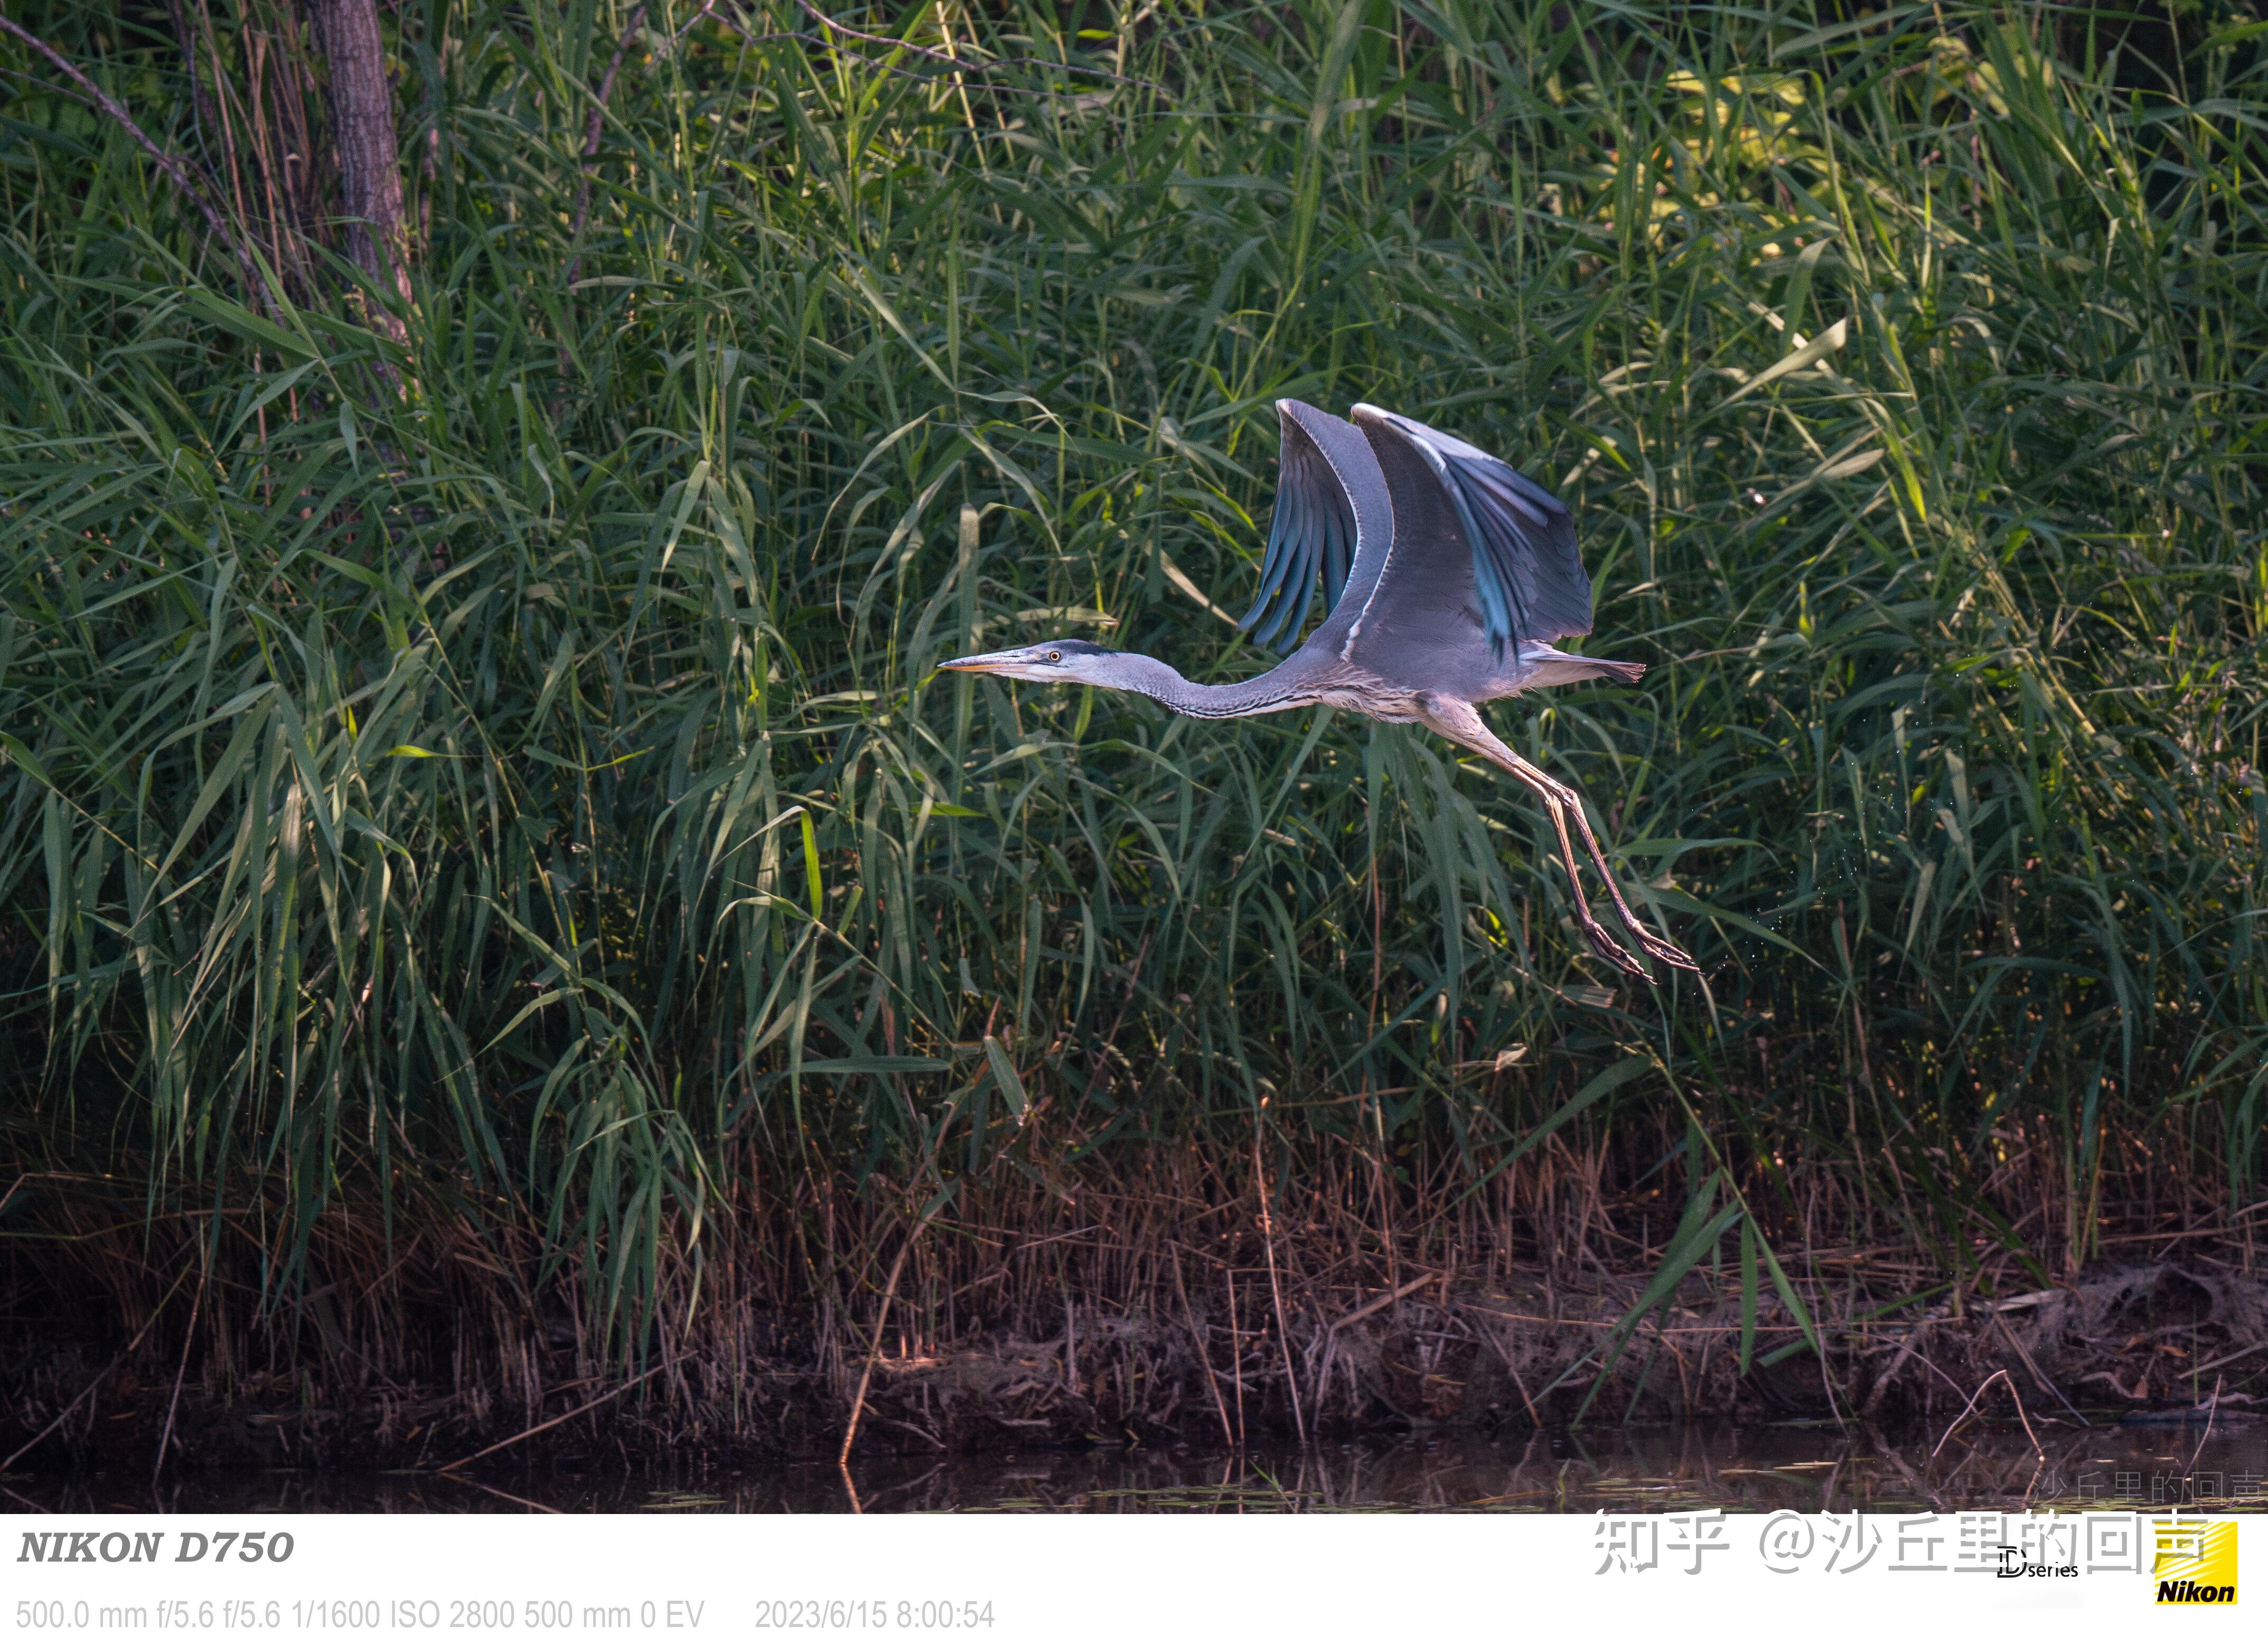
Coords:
1669,953
1614,954
1653,946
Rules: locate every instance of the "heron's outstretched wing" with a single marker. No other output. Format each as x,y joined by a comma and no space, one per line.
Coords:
1312,535
1528,581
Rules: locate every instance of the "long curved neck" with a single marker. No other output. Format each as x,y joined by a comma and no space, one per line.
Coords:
1276,690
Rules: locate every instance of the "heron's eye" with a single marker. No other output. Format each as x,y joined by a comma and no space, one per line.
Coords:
1055,657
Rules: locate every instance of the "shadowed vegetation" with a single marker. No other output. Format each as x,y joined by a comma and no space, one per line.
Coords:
492,882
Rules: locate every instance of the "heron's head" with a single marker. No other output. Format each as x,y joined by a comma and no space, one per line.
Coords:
1069,660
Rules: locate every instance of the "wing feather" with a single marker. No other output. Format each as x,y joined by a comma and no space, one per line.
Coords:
1285,567
1310,540
1528,569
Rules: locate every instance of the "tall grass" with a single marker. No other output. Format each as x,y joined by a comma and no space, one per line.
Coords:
493,794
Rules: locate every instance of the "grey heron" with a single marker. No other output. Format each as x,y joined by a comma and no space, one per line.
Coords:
1445,577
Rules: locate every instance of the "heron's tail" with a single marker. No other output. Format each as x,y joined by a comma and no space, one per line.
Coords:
1545,666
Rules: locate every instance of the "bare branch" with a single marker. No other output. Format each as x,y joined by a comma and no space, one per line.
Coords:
607,83
590,135
178,171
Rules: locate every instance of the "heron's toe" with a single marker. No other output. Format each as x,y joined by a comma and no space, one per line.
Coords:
1615,954
1670,954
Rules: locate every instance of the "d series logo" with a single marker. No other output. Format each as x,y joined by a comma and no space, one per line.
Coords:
2013,1566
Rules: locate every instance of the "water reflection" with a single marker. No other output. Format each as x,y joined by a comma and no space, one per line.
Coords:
1692,1466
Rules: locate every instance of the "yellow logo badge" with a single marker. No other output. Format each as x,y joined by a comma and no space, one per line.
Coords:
2196,1564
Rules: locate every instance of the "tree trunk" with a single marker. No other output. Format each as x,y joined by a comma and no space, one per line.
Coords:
369,157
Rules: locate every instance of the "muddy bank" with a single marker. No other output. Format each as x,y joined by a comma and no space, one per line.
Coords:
2154,1342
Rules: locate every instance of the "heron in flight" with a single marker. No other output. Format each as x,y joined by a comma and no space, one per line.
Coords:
1447,576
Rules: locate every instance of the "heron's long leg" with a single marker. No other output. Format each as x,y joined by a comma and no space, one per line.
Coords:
1458,721
1668,953
1554,798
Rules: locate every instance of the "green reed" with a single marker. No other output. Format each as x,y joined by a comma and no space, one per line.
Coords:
503,779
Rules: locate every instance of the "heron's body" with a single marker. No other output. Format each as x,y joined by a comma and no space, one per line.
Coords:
1446,575
1308,677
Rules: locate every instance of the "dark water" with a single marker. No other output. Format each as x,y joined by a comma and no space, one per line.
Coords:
1986,1466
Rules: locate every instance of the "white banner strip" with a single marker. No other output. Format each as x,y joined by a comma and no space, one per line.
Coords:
1381,1574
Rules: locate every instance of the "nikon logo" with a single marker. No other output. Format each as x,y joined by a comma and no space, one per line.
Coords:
2181,1593
2195,1564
